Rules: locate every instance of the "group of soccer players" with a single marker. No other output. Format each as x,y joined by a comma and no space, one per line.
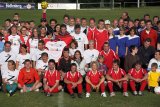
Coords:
76,56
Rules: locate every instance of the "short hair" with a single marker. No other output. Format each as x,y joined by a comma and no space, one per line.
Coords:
122,28
116,61
146,15
44,54
9,20
27,60
41,41
148,21
94,62
75,42
100,57
63,26
53,20
77,26
16,14
66,49
66,15
52,61
138,63
100,20
106,43
7,42
132,47
83,19
73,64
157,51
155,17
147,40
154,65
24,46
92,19
32,21
71,17
136,20
142,20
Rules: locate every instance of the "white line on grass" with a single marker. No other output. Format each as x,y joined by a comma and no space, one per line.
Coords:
61,99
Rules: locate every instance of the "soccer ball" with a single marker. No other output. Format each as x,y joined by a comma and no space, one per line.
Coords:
157,90
44,5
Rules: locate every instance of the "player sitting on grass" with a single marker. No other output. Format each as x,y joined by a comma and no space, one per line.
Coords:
117,77
138,77
10,78
74,79
51,79
28,79
95,80
153,77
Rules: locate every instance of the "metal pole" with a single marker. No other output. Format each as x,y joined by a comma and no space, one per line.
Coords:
138,3
77,5
112,4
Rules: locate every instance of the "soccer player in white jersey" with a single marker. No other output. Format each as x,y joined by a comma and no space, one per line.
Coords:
80,37
15,40
42,65
91,54
70,27
37,54
6,55
33,41
10,78
22,56
55,49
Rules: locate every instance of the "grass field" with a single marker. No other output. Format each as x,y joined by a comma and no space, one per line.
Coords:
62,99
27,15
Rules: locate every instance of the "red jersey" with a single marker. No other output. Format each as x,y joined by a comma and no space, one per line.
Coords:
91,33
28,77
116,75
109,57
152,35
100,37
52,77
66,38
94,78
74,78
137,74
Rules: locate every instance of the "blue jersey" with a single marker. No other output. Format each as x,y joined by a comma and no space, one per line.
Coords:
116,31
121,42
135,40
1,46
112,43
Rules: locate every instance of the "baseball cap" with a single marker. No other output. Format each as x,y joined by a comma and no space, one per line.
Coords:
107,22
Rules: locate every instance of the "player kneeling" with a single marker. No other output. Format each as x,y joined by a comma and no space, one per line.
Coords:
28,79
51,79
95,79
138,77
74,79
117,77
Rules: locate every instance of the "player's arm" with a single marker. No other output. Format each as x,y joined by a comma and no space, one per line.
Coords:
109,78
125,78
130,77
117,50
88,81
34,64
101,80
34,85
56,85
126,51
17,64
67,81
145,77
79,80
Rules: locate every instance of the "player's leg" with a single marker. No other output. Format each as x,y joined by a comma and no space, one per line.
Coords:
133,87
102,88
125,86
142,87
79,88
37,86
88,90
23,88
110,86
70,90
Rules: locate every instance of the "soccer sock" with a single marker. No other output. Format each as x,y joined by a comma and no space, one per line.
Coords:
132,85
88,88
79,87
124,86
102,86
143,85
110,85
69,87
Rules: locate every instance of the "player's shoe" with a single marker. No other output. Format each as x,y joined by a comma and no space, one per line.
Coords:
103,94
135,93
21,91
112,94
87,95
79,95
140,93
48,94
37,90
125,94
72,95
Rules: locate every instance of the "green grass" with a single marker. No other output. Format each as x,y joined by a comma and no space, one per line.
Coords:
62,99
27,15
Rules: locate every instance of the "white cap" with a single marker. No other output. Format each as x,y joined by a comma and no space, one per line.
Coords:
107,22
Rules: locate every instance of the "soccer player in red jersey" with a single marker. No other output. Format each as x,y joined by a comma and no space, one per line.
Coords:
91,29
109,55
51,79
138,76
74,79
95,80
101,35
28,79
117,77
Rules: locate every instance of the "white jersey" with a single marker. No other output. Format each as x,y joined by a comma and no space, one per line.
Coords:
33,44
21,58
15,40
81,40
90,55
55,49
25,39
84,28
70,29
10,76
42,65
72,51
37,55
5,57
153,60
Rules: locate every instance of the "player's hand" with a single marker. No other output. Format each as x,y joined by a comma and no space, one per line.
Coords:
93,86
50,89
74,85
97,86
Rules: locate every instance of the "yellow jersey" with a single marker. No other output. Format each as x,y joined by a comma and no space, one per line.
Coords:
153,78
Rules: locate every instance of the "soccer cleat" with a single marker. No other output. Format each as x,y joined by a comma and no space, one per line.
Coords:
79,95
140,93
125,94
48,94
37,90
135,93
21,90
103,94
112,94
87,95
72,95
